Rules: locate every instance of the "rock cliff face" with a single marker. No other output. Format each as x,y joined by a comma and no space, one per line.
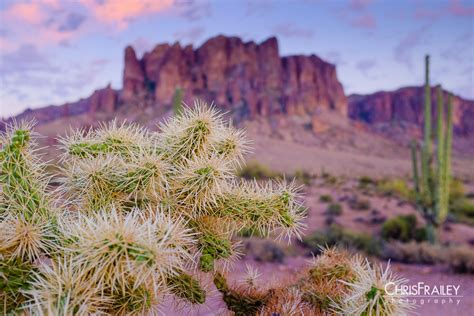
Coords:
405,105
243,77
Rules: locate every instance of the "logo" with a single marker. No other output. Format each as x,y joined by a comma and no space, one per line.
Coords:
421,293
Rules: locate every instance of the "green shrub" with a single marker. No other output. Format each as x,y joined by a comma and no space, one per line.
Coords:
456,190
325,198
335,235
413,252
395,187
463,209
303,176
255,170
334,209
366,181
461,259
403,228
264,250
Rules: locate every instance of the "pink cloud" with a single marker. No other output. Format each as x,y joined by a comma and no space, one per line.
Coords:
364,21
120,13
456,8
359,4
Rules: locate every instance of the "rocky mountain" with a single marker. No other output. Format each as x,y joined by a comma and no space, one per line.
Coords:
250,81
405,107
244,78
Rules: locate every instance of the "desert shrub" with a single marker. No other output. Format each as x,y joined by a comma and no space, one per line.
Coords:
303,176
326,198
256,170
360,204
456,190
328,178
413,252
395,187
265,251
463,209
334,209
403,228
335,235
366,182
461,259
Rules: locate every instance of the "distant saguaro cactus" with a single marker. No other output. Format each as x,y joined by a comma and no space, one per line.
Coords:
178,101
432,190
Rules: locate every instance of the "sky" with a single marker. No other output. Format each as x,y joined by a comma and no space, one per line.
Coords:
57,51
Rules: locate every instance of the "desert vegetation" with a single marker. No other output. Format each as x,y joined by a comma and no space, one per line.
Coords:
140,216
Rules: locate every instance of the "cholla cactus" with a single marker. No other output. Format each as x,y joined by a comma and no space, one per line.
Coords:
143,211
367,293
27,214
334,283
188,169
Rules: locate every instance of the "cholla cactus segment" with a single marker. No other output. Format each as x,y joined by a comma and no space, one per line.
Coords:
130,300
145,175
321,284
200,181
26,239
66,288
119,247
265,208
90,183
121,139
186,287
367,294
191,133
22,175
286,301
15,278
241,300
231,144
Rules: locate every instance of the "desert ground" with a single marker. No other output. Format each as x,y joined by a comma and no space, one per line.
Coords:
346,167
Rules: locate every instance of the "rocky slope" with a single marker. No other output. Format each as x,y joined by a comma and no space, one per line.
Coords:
250,81
244,78
404,107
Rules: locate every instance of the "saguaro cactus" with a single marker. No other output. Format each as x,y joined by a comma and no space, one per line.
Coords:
432,190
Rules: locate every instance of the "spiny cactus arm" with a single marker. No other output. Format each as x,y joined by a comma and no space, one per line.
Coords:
121,139
265,208
447,161
178,101
427,148
440,172
231,145
414,160
15,278
22,176
186,287
239,302
190,134
197,182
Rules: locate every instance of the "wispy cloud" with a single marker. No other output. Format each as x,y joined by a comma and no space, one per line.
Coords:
366,65
403,51
292,30
364,21
359,4
191,34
